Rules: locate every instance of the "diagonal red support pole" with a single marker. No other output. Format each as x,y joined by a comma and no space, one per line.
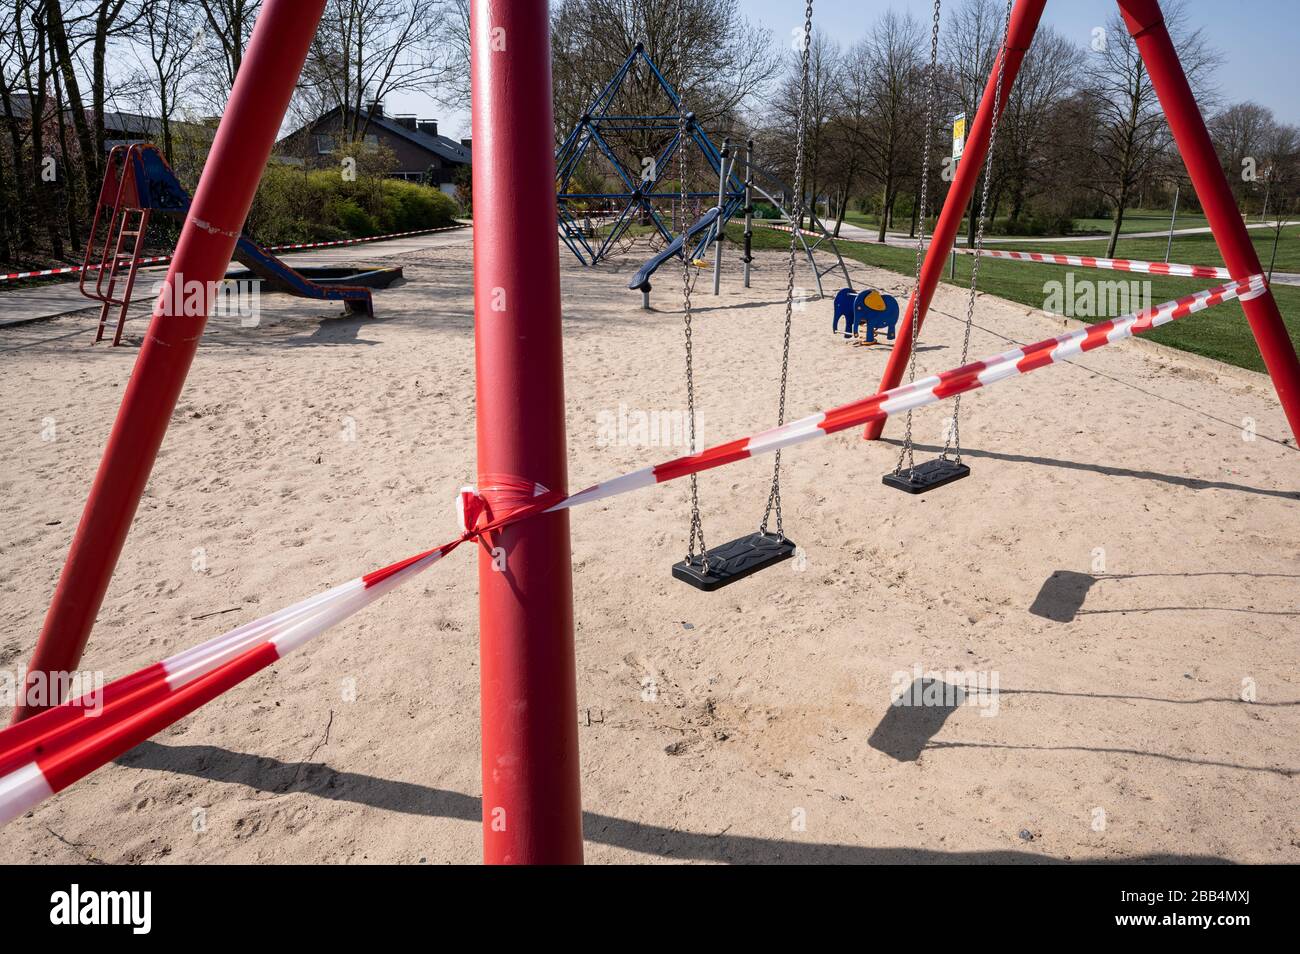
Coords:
239,152
1147,27
1020,33
532,812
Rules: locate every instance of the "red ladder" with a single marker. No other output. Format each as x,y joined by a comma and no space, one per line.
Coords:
123,240
131,261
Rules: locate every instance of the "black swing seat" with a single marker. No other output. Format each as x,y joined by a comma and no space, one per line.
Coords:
734,561
927,476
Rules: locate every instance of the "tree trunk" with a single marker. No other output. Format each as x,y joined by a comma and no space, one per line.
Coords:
916,213
972,212
22,205
73,188
6,251
1017,205
59,39
1115,225
886,199
44,186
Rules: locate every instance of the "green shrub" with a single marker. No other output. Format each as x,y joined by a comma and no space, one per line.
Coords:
294,204
354,220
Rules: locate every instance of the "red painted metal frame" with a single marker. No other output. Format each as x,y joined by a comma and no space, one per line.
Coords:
1146,24
1020,33
1147,27
532,811
239,153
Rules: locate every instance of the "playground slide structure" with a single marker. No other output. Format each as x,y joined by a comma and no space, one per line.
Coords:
138,182
641,280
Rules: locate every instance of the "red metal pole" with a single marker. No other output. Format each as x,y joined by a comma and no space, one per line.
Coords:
1147,26
1020,33
239,152
532,809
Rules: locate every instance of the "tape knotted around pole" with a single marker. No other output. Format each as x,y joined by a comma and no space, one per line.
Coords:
500,500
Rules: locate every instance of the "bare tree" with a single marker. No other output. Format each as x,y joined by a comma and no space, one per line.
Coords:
169,43
1239,132
1280,146
882,105
1034,120
13,55
712,56
36,65
970,45
823,136
231,23
1132,132
366,50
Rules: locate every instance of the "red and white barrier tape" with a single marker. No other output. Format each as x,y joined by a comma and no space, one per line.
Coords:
55,748
51,750
1078,261
158,259
1113,264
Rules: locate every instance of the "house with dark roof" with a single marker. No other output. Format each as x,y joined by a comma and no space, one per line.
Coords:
423,155
122,127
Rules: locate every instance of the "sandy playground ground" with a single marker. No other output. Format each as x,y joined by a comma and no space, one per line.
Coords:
1121,560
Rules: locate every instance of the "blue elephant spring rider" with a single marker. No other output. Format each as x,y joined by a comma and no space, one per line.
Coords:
868,310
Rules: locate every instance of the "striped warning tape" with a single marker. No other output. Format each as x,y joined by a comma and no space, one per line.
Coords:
1078,261
51,750
158,259
1113,264
55,748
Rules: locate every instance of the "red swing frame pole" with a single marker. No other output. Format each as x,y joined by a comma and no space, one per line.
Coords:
532,810
243,142
1146,25
1020,33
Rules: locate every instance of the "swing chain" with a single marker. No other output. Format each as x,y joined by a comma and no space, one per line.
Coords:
931,95
679,225
953,437
774,494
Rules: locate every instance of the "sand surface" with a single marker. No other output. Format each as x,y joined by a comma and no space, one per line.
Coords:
1121,559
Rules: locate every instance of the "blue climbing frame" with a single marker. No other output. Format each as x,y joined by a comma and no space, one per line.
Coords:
637,196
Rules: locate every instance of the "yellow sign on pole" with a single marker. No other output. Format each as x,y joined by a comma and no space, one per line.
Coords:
958,135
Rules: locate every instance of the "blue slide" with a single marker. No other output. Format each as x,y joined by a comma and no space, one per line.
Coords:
160,190
641,280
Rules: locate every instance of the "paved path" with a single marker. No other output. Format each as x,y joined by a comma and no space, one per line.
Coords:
19,305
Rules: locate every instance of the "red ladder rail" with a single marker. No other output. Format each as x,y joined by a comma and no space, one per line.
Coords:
132,262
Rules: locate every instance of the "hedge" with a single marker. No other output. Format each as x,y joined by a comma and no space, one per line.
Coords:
297,205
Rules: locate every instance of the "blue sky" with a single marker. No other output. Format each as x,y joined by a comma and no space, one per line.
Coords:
1259,42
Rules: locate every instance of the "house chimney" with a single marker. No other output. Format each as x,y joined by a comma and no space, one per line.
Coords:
429,126
376,110
406,122
466,143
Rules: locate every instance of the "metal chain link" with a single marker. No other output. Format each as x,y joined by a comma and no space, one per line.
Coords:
688,281
905,453
953,437
774,494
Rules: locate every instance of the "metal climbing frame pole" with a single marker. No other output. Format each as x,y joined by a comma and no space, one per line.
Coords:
724,171
239,152
1147,26
532,810
1020,33
749,207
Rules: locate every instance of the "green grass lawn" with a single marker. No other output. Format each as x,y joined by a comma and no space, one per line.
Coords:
1141,220
1187,249
1135,220
1221,333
